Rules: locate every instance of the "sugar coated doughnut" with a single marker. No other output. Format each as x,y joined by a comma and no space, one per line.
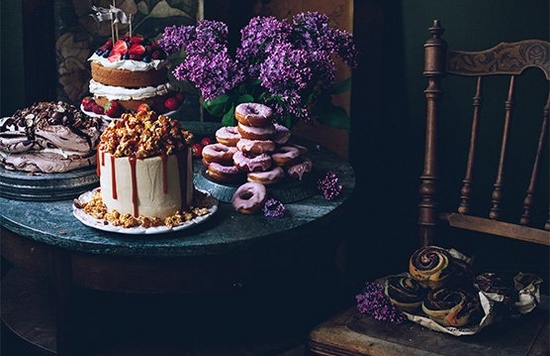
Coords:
301,169
256,133
249,197
255,147
254,114
282,134
268,177
223,173
257,163
286,155
217,152
228,135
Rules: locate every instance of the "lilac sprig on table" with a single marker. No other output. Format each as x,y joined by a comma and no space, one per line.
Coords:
273,208
373,301
330,185
287,64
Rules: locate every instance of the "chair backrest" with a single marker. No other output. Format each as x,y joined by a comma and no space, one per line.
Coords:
520,152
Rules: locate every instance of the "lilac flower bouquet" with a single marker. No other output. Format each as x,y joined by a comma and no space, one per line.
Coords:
286,64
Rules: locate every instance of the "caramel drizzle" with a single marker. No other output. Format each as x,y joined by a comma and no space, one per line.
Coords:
113,178
182,169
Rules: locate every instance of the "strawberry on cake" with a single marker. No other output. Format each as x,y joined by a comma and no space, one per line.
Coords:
128,73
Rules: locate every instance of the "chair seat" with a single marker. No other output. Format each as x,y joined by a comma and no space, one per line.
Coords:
352,333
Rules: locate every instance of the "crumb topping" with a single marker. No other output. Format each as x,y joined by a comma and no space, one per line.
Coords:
97,209
144,134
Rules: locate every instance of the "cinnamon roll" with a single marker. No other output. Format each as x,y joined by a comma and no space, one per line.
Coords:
431,266
404,292
451,307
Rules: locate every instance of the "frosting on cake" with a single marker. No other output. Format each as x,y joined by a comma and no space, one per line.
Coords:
128,64
145,166
121,93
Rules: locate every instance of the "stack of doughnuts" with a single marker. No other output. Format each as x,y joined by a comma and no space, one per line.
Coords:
256,150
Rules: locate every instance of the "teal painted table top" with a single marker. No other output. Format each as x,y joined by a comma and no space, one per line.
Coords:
226,231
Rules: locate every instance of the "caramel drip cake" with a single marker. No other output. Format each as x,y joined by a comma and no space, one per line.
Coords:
145,166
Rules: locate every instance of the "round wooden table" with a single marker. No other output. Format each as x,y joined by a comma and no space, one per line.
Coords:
229,251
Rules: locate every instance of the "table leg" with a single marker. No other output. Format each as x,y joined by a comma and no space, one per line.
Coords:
63,286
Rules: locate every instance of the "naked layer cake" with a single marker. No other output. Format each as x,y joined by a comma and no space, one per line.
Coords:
128,73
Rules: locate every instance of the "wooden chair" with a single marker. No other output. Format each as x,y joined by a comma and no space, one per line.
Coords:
479,213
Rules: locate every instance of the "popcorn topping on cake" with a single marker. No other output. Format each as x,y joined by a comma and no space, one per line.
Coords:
144,134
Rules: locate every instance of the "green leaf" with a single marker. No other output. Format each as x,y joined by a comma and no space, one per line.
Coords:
246,98
229,118
219,105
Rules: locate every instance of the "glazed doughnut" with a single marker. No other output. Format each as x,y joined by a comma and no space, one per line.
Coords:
301,169
256,133
254,114
257,163
223,173
268,177
255,147
249,197
286,155
404,292
431,266
217,152
228,135
450,307
282,134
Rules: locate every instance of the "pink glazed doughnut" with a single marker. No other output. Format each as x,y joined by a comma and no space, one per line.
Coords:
282,134
300,170
254,114
257,163
256,133
286,155
249,197
268,177
223,173
255,147
217,152
228,135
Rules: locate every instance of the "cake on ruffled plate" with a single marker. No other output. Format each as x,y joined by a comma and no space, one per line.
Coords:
145,166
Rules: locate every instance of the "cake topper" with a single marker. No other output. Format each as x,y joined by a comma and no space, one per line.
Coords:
115,15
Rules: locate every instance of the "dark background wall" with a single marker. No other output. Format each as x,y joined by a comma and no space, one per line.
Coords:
388,112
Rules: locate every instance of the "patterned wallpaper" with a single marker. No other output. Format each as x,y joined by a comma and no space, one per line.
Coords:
78,34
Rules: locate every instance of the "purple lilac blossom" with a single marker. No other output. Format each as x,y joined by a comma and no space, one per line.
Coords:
258,39
175,38
273,208
372,301
330,185
292,60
